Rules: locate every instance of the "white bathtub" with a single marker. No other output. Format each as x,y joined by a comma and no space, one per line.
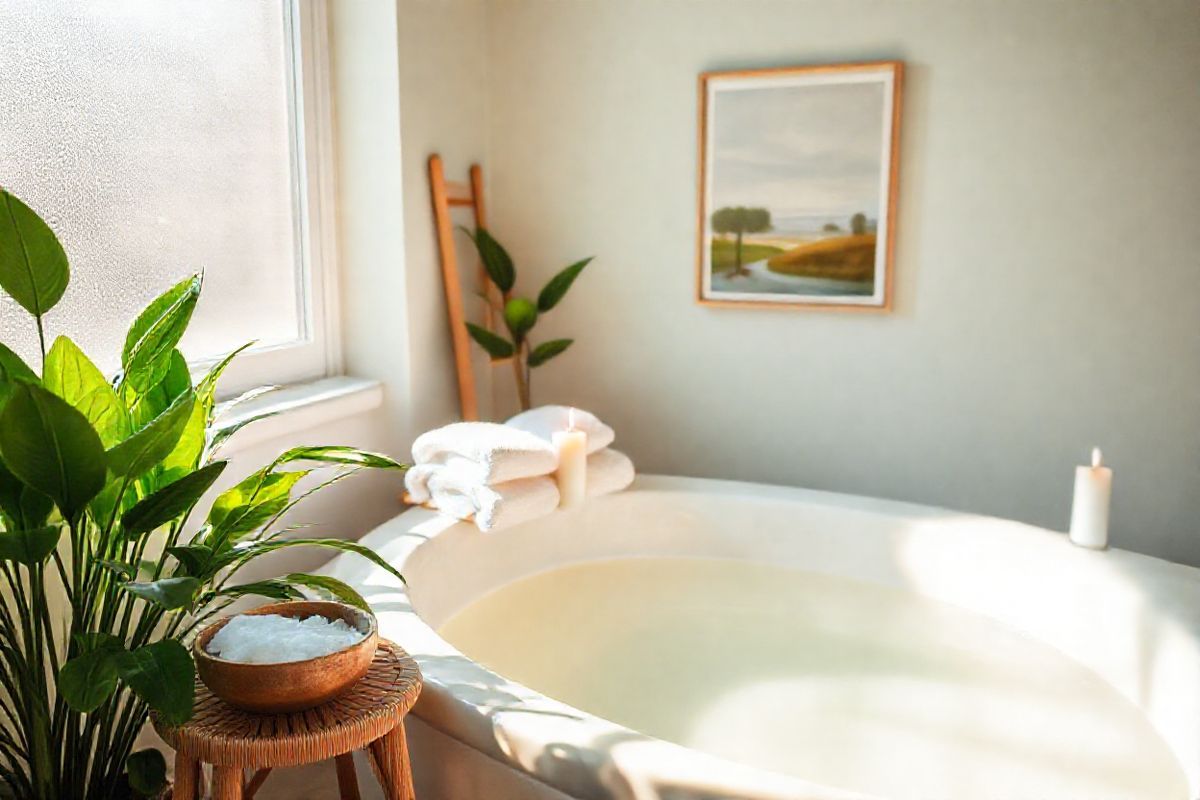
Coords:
1132,620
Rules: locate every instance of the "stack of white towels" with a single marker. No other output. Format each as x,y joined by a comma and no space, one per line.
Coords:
503,475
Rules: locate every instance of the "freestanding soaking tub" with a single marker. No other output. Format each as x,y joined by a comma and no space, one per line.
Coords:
693,639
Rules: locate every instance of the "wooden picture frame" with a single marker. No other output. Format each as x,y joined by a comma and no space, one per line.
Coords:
798,170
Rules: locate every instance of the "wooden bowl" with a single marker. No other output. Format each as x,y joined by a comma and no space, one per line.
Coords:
291,685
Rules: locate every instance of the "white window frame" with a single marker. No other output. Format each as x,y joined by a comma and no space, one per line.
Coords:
318,351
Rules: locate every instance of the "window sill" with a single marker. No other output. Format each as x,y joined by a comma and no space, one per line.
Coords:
301,406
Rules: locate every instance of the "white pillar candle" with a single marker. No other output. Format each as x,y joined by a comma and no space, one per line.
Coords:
1089,511
571,445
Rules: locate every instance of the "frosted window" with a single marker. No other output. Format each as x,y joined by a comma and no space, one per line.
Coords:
155,136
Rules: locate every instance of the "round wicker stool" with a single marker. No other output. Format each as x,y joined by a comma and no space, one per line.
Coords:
368,716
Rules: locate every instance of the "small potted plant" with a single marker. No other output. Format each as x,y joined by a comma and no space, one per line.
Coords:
520,314
107,565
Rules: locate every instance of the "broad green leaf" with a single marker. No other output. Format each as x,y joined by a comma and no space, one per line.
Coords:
12,369
273,588
87,680
251,550
97,641
146,404
169,593
10,497
155,333
189,449
496,261
495,345
520,315
147,770
72,376
329,587
195,559
250,504
150,445
52,447
23,506
29,547
170,501
36,507
557,286
337,454
163,675
548,350
33,264
102,506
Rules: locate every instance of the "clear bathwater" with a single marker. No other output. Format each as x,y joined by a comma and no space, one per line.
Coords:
833,680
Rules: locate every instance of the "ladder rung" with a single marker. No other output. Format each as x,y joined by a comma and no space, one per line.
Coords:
459,194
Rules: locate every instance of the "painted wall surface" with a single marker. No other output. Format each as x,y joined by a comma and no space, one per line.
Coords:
1048,283
394,68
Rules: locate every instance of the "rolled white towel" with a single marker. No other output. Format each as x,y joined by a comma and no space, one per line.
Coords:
544,421
499,453
608,471
494,507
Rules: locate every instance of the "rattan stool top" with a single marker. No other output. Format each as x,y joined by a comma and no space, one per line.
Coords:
220,734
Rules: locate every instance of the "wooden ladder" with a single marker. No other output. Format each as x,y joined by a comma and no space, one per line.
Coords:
446,195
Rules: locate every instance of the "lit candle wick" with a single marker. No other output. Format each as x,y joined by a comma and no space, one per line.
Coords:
1097,461
571,419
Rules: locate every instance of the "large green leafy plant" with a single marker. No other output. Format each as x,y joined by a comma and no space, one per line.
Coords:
103,575
520,314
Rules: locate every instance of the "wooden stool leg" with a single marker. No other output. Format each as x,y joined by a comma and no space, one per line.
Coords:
347,780
391,761
407,792
187,777
227,783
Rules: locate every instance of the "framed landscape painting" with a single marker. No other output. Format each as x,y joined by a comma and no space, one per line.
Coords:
798,185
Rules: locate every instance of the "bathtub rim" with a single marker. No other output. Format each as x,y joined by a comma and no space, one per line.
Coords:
517,735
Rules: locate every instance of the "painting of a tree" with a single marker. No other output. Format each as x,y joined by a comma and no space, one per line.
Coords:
797,177
740,220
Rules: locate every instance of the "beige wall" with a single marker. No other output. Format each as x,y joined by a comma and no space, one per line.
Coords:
1048,284
409,79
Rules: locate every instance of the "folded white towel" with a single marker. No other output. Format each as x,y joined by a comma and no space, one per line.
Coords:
499,452
454,470
494,507
416,480
544,421
608,471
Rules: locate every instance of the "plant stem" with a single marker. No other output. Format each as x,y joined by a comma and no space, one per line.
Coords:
519,373
41,338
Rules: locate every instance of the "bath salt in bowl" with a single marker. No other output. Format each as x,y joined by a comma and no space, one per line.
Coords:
286,656
276,639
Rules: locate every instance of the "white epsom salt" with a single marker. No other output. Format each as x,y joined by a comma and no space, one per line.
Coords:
273,639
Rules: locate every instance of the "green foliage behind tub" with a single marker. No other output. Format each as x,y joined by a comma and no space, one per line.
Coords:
520,314
99,484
